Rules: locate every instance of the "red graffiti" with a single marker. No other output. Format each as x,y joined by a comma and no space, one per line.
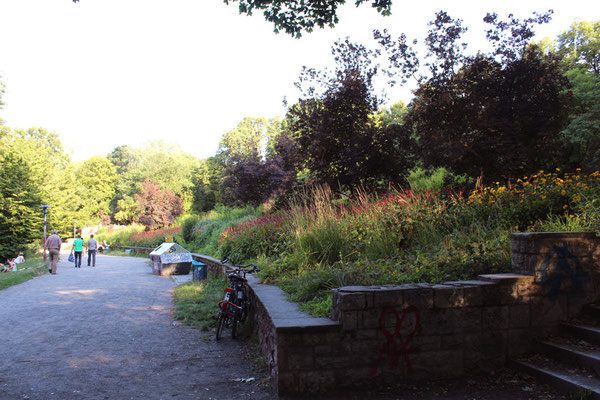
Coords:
397,346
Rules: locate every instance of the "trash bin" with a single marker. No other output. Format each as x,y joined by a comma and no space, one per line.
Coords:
170,258
199,270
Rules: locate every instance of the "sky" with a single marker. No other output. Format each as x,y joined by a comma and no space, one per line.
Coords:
107,73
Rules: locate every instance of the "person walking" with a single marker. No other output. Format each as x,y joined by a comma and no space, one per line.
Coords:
92,246
53,243
78,249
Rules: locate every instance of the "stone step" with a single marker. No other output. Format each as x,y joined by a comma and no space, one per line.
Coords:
566,379
583,356
585,332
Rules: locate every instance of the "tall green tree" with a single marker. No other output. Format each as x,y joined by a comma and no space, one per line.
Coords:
49,166
580,46
95,186
20,216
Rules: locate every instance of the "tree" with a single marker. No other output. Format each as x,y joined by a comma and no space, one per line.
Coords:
337,137
20,216
495,114
582,135
159,162
250,180
207,181
50,171
95,183
127,211
158,208
580,46
295,16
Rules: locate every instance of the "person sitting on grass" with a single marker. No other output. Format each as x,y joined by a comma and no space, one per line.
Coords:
10,265
5,268
19,259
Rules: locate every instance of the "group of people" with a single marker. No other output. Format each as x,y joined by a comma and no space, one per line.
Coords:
54,243
11,263
92,247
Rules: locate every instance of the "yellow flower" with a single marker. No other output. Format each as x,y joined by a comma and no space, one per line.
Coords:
565,207
543,197
571,216
563,192
558,169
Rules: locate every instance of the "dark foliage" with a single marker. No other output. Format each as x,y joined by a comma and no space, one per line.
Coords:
492,120
335,135
495,115
295,16
251,180
158,207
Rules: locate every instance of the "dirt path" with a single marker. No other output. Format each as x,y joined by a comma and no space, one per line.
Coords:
108,333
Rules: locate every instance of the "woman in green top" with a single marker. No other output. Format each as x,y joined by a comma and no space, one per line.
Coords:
78,249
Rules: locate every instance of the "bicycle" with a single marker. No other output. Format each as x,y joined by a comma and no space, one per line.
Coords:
233,309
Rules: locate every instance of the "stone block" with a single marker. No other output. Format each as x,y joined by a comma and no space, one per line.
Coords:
468,320
436,322
301,358
420,296
369,318
352,301
323,349
452,341
473,296
519,316
547,312
366,334
316,381
426,343
286,383
387,297
436,364
495,318
349,320
446,296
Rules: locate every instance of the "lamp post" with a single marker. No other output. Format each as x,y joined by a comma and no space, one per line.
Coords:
45,208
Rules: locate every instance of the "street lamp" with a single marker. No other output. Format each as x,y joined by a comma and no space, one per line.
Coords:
45,207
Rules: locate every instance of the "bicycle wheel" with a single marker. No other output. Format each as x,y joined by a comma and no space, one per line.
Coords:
220,324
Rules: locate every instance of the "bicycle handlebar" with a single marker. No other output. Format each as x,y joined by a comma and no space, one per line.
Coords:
243,268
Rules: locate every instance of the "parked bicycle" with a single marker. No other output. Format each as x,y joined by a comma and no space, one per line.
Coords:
233,309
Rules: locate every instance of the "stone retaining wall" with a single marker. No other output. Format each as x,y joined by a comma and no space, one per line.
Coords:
423,331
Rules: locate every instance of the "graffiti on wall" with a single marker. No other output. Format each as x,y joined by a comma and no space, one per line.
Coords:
397,344
561,272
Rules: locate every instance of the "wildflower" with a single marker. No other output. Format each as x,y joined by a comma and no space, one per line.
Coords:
565,207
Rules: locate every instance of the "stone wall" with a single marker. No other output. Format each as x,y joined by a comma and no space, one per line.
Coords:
424,331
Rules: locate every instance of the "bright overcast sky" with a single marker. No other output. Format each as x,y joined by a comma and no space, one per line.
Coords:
104,73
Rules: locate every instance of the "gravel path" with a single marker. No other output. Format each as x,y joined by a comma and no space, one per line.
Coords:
108,333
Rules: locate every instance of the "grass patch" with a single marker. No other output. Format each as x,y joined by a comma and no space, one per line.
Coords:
196,302
8,279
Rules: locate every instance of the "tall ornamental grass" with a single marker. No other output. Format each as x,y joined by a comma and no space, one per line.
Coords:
320,241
